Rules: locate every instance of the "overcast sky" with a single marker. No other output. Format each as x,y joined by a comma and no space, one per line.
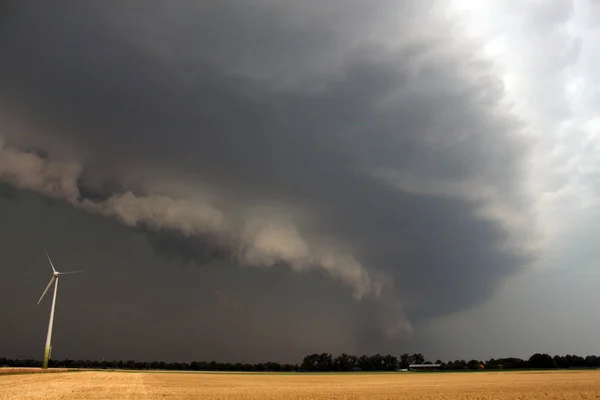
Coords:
253,180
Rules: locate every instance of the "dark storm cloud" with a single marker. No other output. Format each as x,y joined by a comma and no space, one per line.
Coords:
329,136
131,305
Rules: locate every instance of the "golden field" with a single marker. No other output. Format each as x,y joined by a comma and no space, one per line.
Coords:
211,386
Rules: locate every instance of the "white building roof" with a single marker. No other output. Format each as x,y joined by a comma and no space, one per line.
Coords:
424,365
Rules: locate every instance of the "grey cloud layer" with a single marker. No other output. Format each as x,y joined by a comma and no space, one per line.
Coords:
302,113
261,243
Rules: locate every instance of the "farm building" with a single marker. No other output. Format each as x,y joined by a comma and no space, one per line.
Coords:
424,367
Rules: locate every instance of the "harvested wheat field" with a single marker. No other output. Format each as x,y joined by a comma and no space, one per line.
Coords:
156,385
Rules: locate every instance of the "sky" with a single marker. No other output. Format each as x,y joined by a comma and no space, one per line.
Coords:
261,180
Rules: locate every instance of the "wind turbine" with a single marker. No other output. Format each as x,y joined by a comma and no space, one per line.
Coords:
54,279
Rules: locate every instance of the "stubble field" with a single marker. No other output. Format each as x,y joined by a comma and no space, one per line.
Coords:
211,386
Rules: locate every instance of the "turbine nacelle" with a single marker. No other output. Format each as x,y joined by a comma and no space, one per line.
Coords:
55,275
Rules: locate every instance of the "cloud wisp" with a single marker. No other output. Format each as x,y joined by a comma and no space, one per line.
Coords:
262,243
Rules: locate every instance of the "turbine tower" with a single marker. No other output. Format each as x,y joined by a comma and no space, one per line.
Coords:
54,279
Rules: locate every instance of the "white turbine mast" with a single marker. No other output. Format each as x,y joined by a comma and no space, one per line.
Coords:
54,280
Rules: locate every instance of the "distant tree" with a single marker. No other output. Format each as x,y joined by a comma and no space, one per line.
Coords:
345,362
590,361
576,361
473,364
405,360
511,363
309,363
325,362
542,361
318,362
376,362
418,358
364,363
390,363
457,365
561,361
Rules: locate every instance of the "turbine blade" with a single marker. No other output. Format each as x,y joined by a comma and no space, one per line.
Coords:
52,265
70,272
47,287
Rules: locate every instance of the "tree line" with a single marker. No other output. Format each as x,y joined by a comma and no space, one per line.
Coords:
325,362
